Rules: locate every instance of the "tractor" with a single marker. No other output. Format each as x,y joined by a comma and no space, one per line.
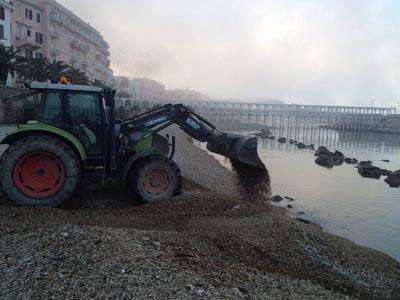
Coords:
76,135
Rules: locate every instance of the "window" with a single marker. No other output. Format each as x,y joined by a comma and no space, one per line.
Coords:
83,118
18,32
1,32
28,32
38,17
39,38
2,13
28,14
50,108
38,55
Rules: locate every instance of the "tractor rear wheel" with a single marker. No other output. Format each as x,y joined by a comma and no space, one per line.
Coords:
154,178
39,170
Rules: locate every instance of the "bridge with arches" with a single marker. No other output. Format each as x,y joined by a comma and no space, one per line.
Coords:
341,117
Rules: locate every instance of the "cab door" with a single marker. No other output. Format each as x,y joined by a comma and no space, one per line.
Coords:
84,117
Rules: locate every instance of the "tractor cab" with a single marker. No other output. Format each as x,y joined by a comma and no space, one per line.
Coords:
79,110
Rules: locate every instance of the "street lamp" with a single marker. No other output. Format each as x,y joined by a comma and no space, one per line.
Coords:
372,101
398,107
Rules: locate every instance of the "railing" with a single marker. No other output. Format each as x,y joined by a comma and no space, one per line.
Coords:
55,34
30,41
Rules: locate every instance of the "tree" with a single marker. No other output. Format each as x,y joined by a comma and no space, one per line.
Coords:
9,61
34,69
98,83
76,76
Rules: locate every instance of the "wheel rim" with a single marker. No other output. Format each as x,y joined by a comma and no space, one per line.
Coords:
39,174
156,182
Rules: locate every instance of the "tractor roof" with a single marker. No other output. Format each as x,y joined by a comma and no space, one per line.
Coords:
36,85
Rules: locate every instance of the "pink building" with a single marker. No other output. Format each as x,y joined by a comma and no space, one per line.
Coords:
46,28
148,89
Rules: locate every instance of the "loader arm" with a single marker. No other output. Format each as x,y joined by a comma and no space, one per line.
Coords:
236,147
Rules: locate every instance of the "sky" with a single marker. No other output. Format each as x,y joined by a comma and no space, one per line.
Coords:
344,52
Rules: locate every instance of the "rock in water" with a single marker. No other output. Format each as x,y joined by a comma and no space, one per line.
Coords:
385,172
276,199
264,134
324,161
348,160
323,151
255,184
301,146
282,140
327,158
393,179
338,155
366,169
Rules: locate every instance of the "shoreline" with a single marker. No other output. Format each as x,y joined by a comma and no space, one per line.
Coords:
295,214
207,243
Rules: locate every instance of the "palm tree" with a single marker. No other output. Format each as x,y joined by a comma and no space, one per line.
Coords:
98,83
76,76
34,69
55,69
9,62
39,69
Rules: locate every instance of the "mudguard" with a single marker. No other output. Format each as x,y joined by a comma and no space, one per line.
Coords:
40,127
147,146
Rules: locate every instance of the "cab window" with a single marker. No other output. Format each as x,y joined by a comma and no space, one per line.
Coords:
84,120
50,108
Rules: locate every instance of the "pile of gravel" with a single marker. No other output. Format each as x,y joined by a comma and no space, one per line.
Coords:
241,181
97,262
206,243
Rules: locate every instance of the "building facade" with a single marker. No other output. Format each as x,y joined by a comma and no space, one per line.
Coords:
139,88
45,28
5,22
148,89
184,95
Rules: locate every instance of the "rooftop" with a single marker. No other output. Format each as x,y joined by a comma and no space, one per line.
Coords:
36,85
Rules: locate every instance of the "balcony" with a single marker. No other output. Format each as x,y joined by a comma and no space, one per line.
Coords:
54,17
29,42
80,46
55,34
55,51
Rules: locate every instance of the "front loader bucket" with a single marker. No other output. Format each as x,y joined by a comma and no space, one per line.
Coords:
238,148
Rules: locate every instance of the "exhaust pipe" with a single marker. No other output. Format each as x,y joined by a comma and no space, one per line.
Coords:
238,148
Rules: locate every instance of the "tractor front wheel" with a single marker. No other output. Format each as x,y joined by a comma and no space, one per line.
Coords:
39,170
154,178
